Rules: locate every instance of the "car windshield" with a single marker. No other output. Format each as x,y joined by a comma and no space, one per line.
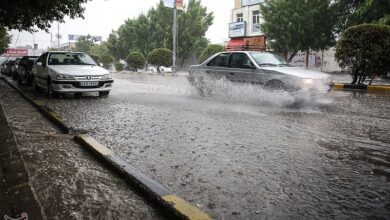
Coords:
268,59
70,59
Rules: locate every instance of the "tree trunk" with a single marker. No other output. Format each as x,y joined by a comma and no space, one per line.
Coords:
307,59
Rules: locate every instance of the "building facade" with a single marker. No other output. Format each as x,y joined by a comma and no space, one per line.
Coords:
244,29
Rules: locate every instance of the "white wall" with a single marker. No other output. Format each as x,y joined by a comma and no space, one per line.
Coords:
322,61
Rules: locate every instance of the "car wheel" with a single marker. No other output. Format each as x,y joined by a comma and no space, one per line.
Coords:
20,80
104,94
50,91
275,85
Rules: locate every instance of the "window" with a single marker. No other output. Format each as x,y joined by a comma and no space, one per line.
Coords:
221,60
70,59
256,21
240,60
240,17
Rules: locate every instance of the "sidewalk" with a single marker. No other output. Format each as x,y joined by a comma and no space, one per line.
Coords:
66,180
16,196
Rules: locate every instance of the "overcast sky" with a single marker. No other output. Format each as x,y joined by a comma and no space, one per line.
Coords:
102,16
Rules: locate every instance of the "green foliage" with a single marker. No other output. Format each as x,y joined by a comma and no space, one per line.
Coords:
291,26
365,50
115,47
5,39
154,30
118,66
26,15
160,57
84,44
106,60
136,60
354,12
99,49
210,50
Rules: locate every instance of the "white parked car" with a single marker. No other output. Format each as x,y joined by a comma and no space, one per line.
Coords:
152,69
70,72
164,69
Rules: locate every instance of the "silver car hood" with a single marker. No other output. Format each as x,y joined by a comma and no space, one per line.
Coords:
78,70
299,72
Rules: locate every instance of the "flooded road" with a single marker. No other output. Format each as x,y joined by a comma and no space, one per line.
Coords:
244,153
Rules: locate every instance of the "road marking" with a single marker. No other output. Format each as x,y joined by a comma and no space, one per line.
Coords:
185,208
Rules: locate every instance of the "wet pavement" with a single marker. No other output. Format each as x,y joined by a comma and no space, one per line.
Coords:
244,153
67,181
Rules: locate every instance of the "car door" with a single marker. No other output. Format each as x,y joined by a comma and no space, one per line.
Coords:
219,66
241,69
39,70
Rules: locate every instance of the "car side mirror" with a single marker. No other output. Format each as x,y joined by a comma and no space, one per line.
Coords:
39,63
101,64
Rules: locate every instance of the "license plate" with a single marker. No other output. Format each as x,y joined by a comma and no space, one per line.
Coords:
89,83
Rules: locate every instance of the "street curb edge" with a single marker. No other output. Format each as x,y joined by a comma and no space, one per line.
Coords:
154,190
373,88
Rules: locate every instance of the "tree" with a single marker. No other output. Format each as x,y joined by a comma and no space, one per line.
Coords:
106,60
118,66
300,25
160,57
84,44
365,50
154,30
25,15
136,60
5,39
354,12
210,50
114,47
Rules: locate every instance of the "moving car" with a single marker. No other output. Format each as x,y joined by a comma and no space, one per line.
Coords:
70,72
256,67
24,69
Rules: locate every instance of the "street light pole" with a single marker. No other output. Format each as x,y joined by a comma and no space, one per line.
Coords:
174,38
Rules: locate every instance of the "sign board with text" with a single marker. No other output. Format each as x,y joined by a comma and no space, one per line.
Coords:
237,29
251,2
13,52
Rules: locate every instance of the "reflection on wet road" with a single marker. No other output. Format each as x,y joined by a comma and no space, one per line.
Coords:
243,153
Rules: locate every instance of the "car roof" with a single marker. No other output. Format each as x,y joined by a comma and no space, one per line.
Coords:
64,52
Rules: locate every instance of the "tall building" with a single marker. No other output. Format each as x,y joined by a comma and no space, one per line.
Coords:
244,30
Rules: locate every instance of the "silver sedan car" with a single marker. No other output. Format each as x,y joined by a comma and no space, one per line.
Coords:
256,67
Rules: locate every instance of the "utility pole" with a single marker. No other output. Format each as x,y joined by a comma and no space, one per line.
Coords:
174,38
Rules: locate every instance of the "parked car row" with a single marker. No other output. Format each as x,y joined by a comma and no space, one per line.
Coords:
162,69
61,72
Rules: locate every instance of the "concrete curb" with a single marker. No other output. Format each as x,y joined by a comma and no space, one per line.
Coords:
174,206
362,87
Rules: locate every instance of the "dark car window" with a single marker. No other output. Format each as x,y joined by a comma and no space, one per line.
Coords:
240,60
221,60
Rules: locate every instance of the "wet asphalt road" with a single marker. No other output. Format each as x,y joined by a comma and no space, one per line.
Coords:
244,153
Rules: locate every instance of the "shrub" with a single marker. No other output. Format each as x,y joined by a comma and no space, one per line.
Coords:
210,50
136,60
118,66
160,57
106,60
365,50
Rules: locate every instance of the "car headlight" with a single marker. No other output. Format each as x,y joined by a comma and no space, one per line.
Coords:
64,77
106,76
308,81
